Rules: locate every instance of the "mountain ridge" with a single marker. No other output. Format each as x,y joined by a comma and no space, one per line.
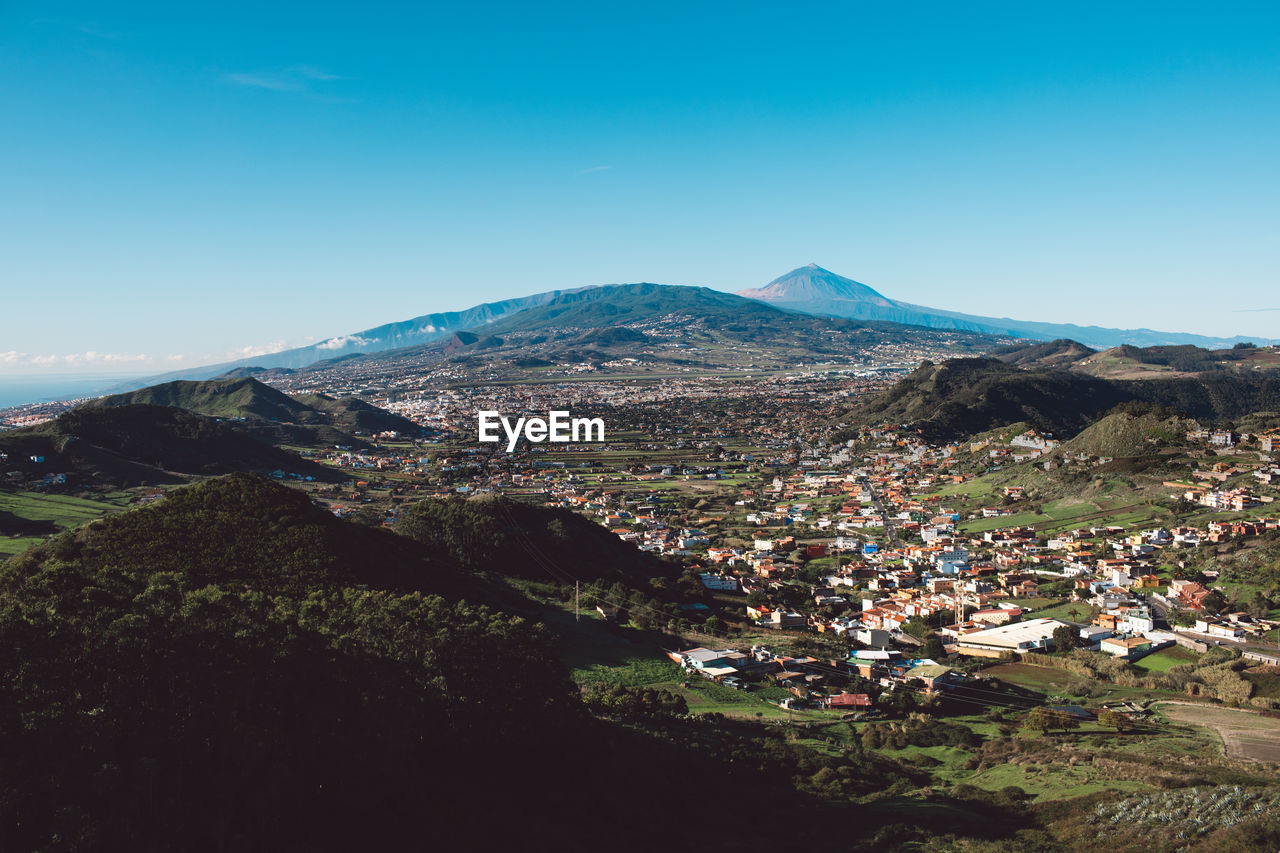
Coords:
815,290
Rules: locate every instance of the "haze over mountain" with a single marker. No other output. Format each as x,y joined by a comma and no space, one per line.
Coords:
815,290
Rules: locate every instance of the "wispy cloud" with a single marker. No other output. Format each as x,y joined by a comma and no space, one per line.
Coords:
595,169
295,78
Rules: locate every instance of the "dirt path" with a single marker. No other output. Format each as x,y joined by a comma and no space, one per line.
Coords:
1245,735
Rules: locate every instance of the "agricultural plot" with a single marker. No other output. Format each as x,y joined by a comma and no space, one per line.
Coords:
1165,659
30,516
1244,734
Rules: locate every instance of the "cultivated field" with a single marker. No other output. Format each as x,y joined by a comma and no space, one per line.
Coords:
1244,734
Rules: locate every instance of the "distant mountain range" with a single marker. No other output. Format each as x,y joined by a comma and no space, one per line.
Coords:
807,290
814,290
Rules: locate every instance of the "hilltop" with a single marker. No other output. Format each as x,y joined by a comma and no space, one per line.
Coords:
1127,434
310,419
1061,353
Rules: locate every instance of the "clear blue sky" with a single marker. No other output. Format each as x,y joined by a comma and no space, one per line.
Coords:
190,181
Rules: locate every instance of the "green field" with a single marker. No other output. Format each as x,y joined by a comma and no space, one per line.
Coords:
1165,659
62,511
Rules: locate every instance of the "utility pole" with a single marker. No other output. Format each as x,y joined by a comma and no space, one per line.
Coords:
577,616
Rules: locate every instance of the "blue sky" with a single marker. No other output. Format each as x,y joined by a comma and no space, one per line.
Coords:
184,183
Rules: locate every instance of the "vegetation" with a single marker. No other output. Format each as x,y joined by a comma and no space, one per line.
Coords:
144,444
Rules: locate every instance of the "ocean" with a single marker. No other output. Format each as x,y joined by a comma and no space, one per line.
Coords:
18,390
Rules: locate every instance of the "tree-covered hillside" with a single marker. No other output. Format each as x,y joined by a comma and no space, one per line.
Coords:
235,669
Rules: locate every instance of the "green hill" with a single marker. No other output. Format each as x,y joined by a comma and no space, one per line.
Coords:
309,419
1130,434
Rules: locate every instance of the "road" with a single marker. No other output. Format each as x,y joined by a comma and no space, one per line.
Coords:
884,516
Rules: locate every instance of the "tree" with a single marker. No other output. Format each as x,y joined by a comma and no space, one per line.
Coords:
1114,720
1064,720
1214,602
1065,638
1038,719
933,648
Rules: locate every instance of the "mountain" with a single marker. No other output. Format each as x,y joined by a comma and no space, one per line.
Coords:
311,418
815,290
139,444
964,396
646,327
406,333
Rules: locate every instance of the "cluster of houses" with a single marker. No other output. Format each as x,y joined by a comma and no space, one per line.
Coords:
813,682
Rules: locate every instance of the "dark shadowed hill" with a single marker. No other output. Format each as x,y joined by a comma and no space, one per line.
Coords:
235,669
145,444
499,535
964,396
961,397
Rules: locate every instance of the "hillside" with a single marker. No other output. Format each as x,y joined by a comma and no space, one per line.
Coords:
405,333
1123,433
143,444
499,535
234,668
1128,362
961,397
312,419
1061,353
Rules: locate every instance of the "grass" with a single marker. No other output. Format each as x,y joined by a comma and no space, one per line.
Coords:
1045,781
1165,659
62,511
1063,611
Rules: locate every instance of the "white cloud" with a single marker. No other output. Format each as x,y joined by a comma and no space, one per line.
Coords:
595,169
74,358
254,351
343,341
